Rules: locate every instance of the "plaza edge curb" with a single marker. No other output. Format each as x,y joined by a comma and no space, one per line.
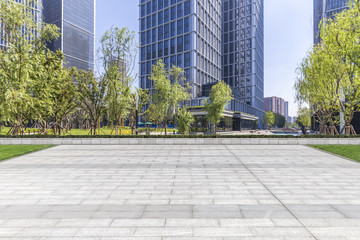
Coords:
179,141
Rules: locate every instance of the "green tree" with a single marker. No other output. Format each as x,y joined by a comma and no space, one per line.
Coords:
329,76
139,100
269,119
118,53
63,99
23,63
304,119
91,97
180,91
220,96
340,36
170,90
319,84
279,120
185,119
161,96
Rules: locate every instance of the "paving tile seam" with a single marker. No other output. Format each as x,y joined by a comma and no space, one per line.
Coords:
308,230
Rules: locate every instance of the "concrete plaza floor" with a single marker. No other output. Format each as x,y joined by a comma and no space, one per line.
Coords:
180,193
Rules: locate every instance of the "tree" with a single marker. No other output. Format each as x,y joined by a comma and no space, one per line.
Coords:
185,119
279,120
91,97
340,36
23,63
269,119
318,85
329,78
180,90
118,54
63,99
139,100
220,95
170,90
161,96
304,119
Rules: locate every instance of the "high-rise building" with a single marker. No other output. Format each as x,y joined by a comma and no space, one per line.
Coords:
184,33
76,20
243,50
211,40
286,110
274,104
325,9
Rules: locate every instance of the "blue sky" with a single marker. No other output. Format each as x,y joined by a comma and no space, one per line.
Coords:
288,37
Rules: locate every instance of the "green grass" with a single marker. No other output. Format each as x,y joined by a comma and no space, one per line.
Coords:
348,151
10,151
103,131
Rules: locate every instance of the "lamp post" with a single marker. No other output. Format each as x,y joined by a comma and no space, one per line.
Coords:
136,117
174,119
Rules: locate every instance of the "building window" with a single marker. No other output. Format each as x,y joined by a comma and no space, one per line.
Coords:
180,44
186,24
187,42
173,13
180,10
187,7
187,62
180,27
161,33
166,31
166,15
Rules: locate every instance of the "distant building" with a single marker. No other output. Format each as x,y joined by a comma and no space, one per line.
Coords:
286,110
325,9
289,119
274,104
76,20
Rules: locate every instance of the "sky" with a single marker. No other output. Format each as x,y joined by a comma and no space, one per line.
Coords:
288,38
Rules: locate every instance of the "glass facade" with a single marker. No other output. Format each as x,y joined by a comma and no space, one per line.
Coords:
325,9
76,19
184,33
243,52
211,40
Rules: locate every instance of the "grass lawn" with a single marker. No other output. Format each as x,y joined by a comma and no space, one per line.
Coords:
10,151
348,151
103,131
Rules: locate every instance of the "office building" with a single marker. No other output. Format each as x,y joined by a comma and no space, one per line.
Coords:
243,51
325,9
76,20
274,104
286,110
184,33
212,41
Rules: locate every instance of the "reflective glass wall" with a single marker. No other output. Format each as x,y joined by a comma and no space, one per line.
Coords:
243,51
184,33
76,19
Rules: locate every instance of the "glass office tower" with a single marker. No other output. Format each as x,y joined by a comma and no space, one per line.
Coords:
76,19
211,40
324,9
243,53
184,33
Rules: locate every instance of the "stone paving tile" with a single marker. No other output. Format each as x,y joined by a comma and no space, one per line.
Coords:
179,192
